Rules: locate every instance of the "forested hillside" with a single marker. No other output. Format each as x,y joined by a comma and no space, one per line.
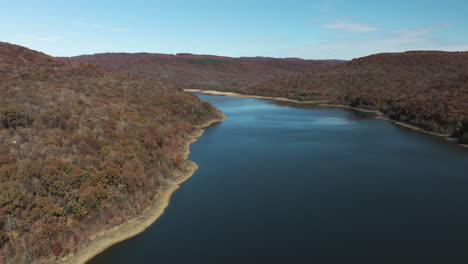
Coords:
82,148
188,71
428,89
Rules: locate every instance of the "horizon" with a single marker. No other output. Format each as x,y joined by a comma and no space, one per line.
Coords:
251,57
221,56
318,30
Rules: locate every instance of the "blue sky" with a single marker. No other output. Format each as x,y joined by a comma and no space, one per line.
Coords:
322,29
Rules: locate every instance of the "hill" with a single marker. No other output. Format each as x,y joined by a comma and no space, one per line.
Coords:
82,148
188,71
428,89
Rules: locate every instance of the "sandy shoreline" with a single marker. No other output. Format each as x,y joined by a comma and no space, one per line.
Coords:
282,99
103,240
378,114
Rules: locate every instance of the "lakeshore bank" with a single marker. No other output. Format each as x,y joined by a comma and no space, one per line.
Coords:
105,239
282,99
379,115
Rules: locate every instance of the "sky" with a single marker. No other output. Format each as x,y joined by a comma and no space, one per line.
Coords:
309,29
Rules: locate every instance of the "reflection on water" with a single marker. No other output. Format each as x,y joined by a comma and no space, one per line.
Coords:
285,184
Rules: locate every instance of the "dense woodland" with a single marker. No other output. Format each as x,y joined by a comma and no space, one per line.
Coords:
428,89
188,71
82,148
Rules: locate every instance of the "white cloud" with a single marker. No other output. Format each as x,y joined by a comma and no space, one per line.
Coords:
101,26
397,41
351,26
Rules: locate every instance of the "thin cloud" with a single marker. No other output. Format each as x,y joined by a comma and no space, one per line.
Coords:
351,27
418,31
101,26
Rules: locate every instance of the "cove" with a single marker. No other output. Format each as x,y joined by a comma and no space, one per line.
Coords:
281,183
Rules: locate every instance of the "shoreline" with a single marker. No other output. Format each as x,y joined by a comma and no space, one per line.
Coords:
379,115
107,238
281,99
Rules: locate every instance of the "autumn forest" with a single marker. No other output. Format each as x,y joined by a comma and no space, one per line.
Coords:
82,148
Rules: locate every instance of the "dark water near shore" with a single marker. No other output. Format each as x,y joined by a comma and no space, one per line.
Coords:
280,184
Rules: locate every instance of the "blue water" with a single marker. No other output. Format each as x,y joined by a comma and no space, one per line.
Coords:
285,184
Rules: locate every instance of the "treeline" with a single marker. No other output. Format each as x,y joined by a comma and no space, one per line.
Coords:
188,71
428,89
82,148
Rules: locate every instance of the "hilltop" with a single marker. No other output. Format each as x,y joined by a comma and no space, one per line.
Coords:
188,71
82,148
428,89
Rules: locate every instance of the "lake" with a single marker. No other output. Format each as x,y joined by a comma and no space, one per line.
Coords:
280,183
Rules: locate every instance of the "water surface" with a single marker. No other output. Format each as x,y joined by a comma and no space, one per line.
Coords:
283,184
